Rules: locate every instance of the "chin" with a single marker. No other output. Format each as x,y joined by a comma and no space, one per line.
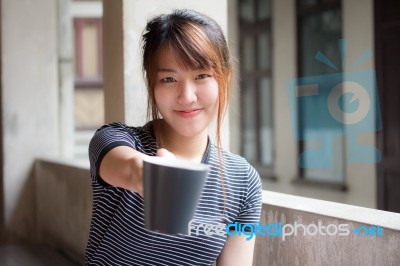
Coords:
190,131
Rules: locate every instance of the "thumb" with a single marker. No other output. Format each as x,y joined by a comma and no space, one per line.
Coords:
165,153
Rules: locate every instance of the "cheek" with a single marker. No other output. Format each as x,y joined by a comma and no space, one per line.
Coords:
159,96
213,95
214,102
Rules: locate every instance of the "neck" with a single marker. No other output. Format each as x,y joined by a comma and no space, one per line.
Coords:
185,148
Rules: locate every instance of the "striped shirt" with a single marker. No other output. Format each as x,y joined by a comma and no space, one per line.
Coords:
117,234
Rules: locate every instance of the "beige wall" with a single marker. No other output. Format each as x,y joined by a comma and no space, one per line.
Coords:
30,105
66,77
283,68
358,20
64,206
234,107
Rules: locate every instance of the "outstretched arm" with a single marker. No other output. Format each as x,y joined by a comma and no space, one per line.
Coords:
122,167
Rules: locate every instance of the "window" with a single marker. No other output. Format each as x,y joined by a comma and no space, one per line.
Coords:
319,28
256,91
88,81
88,53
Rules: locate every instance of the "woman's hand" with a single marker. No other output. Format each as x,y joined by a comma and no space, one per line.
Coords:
165,153
123,167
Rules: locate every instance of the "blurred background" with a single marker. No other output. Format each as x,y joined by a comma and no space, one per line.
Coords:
69,66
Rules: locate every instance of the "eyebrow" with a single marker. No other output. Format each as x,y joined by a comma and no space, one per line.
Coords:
174,71
165,70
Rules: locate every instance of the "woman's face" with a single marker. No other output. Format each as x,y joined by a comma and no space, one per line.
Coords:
186,98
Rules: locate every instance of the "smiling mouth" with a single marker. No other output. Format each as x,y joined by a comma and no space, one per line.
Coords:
188,113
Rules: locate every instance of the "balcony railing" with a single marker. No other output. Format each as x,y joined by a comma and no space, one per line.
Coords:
336,234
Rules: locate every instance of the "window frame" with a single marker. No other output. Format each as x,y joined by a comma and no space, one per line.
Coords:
253,30
301,14
80,81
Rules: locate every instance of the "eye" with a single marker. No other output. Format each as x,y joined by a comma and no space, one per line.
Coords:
203,76
168,80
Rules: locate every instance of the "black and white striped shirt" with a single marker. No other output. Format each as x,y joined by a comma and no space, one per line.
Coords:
117,233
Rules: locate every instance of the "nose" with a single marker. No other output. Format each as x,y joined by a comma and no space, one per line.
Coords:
187,93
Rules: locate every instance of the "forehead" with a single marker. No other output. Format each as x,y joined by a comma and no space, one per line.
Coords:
167,56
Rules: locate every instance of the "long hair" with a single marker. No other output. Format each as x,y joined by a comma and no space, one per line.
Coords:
198,42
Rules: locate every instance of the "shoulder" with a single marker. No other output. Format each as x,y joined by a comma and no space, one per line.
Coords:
235,161
119,131
119,134
235,165
243,186
119,126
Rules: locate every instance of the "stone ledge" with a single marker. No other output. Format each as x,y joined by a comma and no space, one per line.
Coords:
358,214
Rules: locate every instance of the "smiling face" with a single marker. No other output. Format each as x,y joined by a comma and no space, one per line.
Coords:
186,98
199,43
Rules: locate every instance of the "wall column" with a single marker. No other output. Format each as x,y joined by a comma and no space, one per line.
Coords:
66,78
29,112
359,33
284,68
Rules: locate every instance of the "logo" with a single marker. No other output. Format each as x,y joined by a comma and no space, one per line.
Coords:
326,107
280,230
207,229
368,231
287,230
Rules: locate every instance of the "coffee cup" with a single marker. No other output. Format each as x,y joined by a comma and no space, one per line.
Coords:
172,189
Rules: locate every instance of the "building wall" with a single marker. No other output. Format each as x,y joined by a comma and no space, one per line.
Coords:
30,106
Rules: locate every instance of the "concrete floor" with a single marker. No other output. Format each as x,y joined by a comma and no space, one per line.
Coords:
17,255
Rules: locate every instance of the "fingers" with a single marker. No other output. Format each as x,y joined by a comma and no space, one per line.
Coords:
165,153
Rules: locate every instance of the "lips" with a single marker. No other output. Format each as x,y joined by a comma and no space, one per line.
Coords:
188,113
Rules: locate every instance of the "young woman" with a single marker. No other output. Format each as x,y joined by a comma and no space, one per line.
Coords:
187,67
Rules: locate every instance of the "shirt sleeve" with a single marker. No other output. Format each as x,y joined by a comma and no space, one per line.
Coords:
106,138
251,209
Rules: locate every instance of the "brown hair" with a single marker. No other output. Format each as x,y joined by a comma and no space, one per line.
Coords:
198,41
